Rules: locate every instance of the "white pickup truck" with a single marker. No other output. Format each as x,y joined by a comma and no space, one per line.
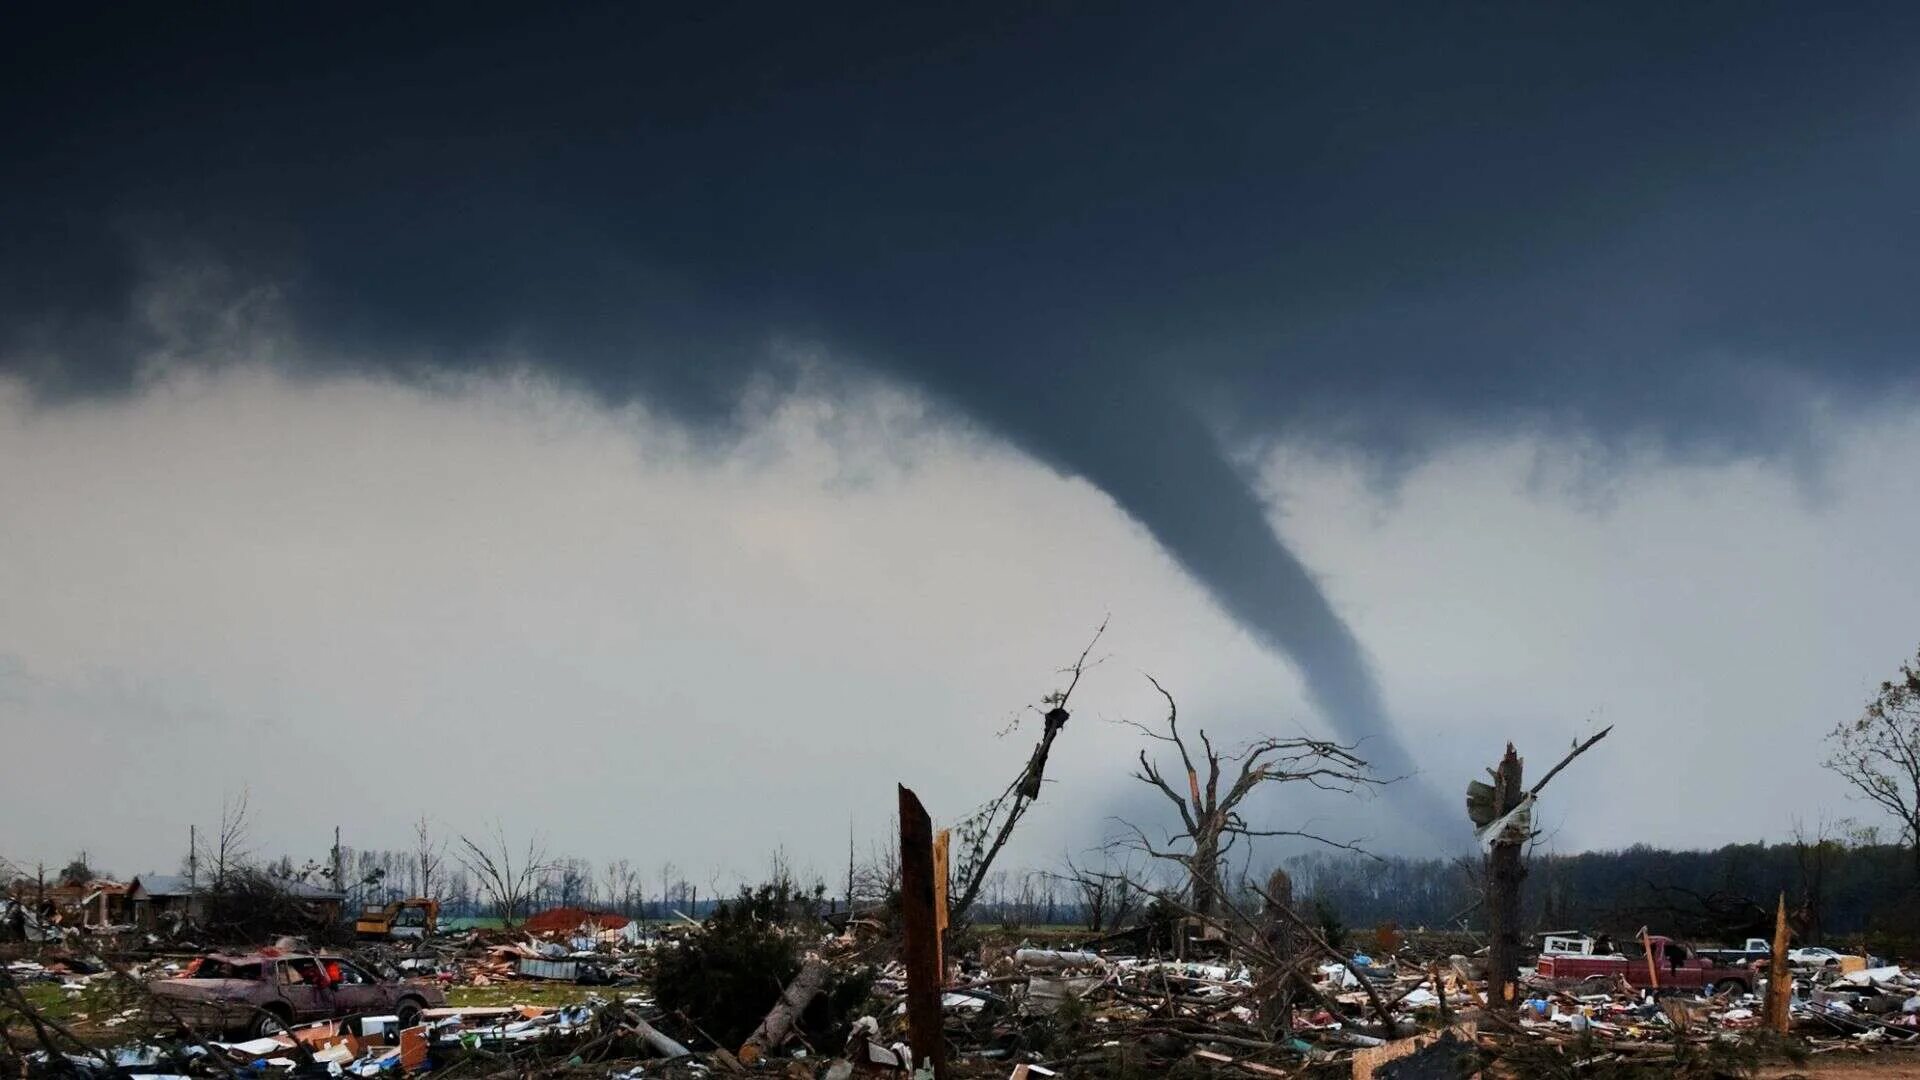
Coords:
1755,949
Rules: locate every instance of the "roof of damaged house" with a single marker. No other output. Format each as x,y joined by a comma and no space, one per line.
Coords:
147,885
65,892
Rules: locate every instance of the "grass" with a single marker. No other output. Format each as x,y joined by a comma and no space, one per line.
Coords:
52,1002
525,993
86,1013
469,922
99,1002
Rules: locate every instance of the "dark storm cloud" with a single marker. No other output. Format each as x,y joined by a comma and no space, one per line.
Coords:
1086,230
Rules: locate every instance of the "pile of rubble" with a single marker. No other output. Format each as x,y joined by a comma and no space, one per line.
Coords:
1020,1011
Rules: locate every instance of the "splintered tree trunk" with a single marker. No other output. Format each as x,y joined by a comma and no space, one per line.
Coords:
785,1014
1505,871
1206,872
1779,1010
920,948
1286,945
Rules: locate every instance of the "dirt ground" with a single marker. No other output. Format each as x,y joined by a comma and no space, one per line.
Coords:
1846,1066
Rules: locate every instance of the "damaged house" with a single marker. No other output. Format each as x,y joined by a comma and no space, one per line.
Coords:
163,899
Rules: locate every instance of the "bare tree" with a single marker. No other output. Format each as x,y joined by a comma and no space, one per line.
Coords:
879,877
779,870
1123,897
507,884
618,876
1879,753
428,854
1210,818
574,882
1815,853
1106,895
232,845
668,871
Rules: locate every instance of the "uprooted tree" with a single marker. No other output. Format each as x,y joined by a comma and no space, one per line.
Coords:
1211,821
1879,753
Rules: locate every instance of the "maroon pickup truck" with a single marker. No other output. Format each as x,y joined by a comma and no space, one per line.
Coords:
262,994
1675,966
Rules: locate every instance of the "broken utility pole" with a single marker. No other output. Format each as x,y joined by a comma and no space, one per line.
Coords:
920,951
942,841
1502,814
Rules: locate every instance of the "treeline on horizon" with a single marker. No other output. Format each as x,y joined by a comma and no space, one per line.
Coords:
1834,891
1837,892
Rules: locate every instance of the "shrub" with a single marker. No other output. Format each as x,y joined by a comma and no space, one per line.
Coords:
727,977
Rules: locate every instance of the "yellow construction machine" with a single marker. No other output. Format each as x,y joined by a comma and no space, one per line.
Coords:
401,920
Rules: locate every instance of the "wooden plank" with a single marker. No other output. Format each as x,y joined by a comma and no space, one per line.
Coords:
1367,1060
413,1047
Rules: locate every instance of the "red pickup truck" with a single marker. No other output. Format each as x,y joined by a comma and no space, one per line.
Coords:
1675,966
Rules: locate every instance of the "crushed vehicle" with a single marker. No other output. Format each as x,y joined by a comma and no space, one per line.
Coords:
262,993
1661,964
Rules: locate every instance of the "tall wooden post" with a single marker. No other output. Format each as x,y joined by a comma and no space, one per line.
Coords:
1779,1011
920,951
942,842
1505,871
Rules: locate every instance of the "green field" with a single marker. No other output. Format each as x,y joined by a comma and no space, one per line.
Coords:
528,993
86,1012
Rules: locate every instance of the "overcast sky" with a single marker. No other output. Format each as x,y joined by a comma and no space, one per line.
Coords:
667,432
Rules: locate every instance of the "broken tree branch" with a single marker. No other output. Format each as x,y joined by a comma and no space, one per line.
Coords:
1025,787
1578,749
